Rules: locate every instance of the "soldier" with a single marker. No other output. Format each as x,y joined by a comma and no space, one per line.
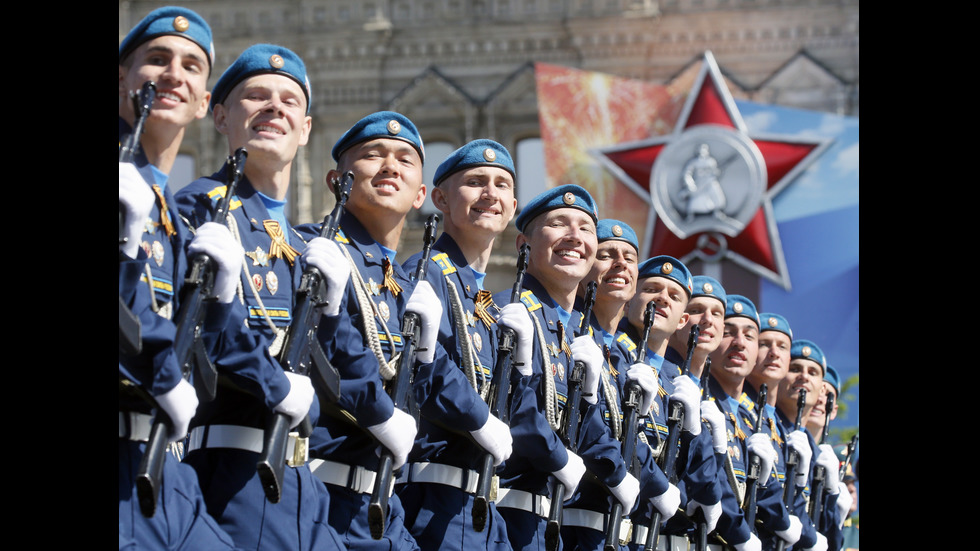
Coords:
731,364
474,189
818,415
559,226
667,281
171,47
586,516
385,153
261,103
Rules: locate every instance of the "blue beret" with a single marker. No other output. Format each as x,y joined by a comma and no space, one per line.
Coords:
383,124
808,350
706,286
741,306
566,196
608,229
262,59
476,153
775,322
831,376
170,20
670,268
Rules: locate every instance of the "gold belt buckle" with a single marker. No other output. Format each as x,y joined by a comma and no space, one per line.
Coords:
301,450
625,531
494,485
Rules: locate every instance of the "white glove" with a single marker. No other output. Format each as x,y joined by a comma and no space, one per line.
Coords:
792,534
137,200
397,435
798,441
760,444
626,492
689,394
821,544
667,502
180,404
216,241
711,512
297,402
753,544
427,305
516,317
829,461
571,473
325,255
646,377
585,350
716,421
844,502
494,437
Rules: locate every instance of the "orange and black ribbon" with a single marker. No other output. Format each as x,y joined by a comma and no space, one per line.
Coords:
775,433
165,221
279,248
482,302
561,338
390,282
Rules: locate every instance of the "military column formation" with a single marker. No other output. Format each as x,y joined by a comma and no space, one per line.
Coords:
288,385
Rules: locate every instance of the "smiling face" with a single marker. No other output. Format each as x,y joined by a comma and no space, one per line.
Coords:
803,374
180,70
563,244
266,114
670,313
478,199
615,272
709,315
735,357
387,178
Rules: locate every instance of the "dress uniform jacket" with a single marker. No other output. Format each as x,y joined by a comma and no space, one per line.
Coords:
439,515
227,471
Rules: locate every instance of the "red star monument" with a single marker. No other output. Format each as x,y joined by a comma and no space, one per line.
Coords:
711,182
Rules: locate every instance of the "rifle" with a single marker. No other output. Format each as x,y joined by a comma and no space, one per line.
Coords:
675,421
792,462
755,464
130,329
400,391
702,524
486,487
570,426
631,416
301,350
819,471
189,347
851,447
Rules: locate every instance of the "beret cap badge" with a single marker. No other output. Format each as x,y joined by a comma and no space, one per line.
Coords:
394,126
181,23
489,154
276,61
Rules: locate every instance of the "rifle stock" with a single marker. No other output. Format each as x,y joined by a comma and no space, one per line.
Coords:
299,353
497,398
400,391
189,347
552,533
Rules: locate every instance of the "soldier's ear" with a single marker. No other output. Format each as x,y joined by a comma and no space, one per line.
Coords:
439,199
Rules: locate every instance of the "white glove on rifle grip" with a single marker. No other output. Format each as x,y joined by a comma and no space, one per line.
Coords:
325,255
667,502
753,544
494,437
761,445
585,350
180,404
844,502
626,492
798,441
689,394
216,241
821,544
716,421
829,461
397,435
516,317
645,376
571,473
427,305
792,534
137,200
711,512
297,402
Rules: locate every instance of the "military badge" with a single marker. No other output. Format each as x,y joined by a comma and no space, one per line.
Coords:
146,248
477,341
384,311
257,281
272,282
158,252
258,256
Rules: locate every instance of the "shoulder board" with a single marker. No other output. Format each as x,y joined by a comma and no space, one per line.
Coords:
217,193
340,237
529,300
626,341
746,401
444,263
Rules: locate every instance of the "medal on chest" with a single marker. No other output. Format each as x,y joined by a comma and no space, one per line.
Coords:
258,256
